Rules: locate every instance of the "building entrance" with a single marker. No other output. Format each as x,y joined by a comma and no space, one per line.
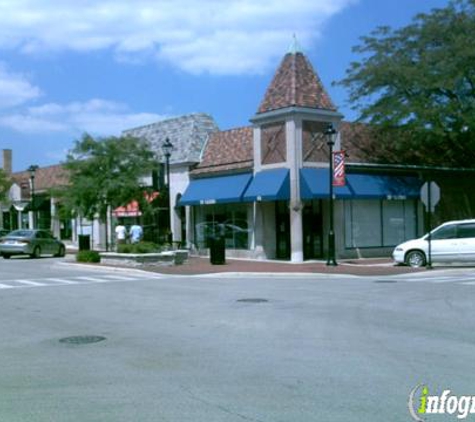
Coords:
312,230
282,230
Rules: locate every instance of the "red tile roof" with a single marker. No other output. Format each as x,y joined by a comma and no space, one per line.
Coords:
227,150
45,177
358,140
296,84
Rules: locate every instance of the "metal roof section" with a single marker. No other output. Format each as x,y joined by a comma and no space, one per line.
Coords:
188,134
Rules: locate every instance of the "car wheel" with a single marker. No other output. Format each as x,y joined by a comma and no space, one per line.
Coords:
415,259
36,252
6,256
61,252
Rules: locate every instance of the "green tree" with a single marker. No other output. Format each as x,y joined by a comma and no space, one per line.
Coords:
415,88
105,173
5,184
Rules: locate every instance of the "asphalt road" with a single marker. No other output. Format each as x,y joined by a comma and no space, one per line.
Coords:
315,348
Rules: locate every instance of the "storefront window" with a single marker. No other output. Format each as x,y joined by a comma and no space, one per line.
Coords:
379,223
229,221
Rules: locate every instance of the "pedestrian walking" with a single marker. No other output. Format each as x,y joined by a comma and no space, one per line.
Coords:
136,233
120,233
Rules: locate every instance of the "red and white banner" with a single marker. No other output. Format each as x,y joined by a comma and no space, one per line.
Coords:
339,168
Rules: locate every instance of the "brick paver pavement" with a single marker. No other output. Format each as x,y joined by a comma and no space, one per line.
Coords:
198,265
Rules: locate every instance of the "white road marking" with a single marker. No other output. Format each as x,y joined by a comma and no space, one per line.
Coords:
62,281
6,286
93,279
119,278
29,282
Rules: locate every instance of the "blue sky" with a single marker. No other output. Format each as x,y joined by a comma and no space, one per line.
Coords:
69,67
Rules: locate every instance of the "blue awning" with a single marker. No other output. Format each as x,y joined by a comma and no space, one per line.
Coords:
216,190
269,185
314,184
374,186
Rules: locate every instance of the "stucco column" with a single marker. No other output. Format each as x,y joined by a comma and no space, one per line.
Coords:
55,223
258,240
189,217
294,148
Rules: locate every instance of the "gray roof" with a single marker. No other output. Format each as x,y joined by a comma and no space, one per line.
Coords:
188,134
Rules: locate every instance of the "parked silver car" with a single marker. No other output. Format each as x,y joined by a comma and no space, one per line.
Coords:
31,242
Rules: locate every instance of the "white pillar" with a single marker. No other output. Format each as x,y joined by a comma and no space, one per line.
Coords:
258,232
189,217
294,158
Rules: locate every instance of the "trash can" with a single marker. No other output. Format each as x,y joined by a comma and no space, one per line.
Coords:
84,241
217,250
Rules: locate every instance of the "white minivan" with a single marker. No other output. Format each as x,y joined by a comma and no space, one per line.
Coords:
453,241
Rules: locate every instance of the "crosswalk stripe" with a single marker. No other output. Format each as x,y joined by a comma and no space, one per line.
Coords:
468,283
29,282
62,281
118,277
431,279
94,279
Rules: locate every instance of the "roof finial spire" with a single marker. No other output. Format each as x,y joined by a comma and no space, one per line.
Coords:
295,47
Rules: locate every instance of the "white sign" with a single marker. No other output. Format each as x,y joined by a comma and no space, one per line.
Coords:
434,195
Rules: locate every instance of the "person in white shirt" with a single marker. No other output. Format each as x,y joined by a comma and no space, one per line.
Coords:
120,233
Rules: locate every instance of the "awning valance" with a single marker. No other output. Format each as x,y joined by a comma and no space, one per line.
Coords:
216,190
315,184
132,209
371,186
269,185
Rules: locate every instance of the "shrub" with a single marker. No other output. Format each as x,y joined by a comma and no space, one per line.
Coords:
88,256
141,247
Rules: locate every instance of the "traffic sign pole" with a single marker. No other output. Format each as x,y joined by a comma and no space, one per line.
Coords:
429,206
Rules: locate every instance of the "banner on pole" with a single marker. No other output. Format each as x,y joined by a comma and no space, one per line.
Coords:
339,168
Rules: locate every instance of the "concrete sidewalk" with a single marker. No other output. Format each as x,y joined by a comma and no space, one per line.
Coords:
202,265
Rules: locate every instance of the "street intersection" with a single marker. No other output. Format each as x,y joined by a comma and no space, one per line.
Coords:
85,343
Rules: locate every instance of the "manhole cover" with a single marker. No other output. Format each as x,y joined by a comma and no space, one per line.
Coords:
386,281
82,339
252,300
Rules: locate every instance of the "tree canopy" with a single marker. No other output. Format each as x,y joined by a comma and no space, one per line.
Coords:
106,172
415,88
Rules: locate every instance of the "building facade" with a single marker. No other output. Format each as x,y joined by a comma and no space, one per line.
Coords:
266,187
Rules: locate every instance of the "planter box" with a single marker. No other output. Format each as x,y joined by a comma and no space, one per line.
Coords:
138,260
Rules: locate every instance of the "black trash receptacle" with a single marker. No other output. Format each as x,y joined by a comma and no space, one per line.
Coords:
84,241
217,250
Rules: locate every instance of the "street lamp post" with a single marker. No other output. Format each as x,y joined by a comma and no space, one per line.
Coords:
32,169
167,148
330,133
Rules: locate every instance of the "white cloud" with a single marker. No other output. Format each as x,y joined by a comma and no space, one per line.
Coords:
223,37
15,89
97,117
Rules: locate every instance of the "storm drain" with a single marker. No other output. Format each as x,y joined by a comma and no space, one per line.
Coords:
252,300
77,340
385,281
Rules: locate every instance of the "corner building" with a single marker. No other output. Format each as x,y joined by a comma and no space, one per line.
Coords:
266,187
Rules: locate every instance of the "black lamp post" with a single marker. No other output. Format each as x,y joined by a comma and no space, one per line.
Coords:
32,169
330,133
167,148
